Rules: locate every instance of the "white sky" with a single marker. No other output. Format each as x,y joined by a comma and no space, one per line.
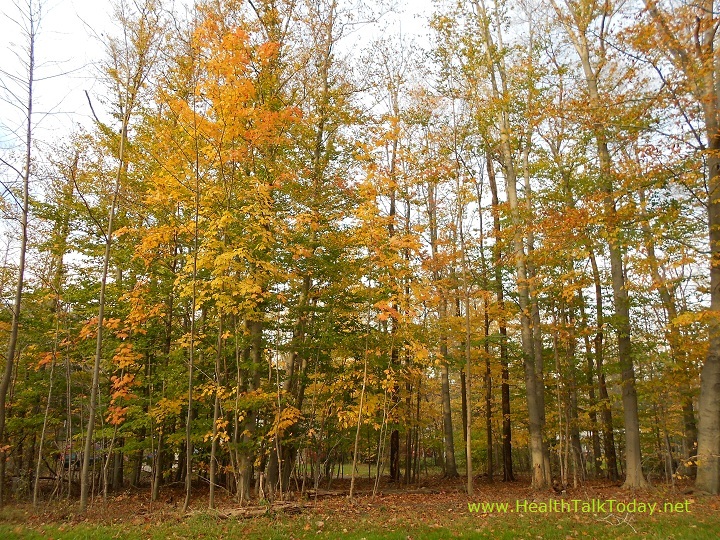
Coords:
64,52
68,44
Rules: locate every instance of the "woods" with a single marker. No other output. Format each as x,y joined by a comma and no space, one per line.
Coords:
282,256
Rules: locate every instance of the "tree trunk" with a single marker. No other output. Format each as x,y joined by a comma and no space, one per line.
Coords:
535,413
216,413
593,405
395,455
448,440
31,19
697,60
504,363
578,36
708,460
608,426
89,432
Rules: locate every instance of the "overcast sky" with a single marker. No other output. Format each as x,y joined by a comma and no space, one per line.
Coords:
68,45
64,52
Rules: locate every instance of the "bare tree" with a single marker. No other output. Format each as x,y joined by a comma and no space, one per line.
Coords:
29,22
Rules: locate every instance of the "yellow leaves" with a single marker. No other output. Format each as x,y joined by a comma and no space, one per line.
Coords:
299,252
212,388
89,329
404,241
420,352
389,383
222,434
691,317
155,240
387,310
345,418
45,359
166,407
288,417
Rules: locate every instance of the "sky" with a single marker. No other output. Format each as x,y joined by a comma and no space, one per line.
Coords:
68,47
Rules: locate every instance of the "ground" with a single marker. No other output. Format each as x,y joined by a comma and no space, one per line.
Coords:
436,509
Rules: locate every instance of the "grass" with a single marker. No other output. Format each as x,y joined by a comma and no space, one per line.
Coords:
442,514
283,527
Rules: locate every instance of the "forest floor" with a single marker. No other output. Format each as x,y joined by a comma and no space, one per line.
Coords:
435,509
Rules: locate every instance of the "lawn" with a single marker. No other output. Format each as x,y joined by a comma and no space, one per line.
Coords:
442,512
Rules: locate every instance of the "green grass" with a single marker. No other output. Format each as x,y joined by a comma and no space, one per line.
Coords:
360,522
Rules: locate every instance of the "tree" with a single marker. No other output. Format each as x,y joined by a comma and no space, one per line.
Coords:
30,22
529,317
130,62
686,35
577,21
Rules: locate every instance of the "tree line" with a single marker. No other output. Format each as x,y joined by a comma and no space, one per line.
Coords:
282,254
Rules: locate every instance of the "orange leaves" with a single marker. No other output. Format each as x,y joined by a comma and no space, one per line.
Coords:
120,390
387,310
125,357
141,312
268,51
116,415
89,329
120,385
45,359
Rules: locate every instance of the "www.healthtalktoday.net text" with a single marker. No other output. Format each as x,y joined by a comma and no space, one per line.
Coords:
591,506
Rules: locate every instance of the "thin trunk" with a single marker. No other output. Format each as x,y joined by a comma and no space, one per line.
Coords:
504,363
191,350
468,358
573,416
360,411
448,439
487,379
32,21
593,403
608,425
158,469
488,395
89,433
42,434
216,416
578,36
468,368
463,404
536,415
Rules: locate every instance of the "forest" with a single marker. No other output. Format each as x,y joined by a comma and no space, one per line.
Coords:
279,258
